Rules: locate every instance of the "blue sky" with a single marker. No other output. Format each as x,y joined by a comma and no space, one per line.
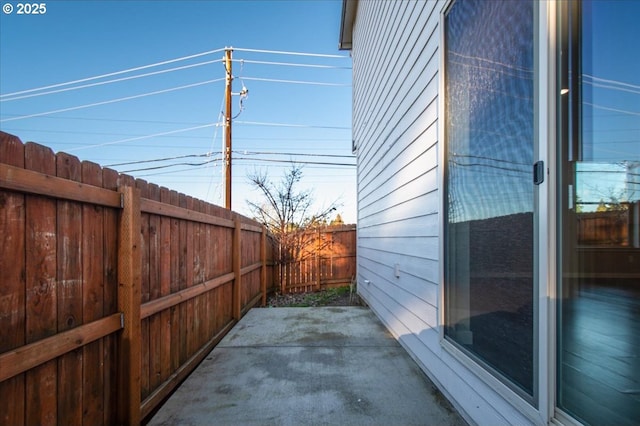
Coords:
76,40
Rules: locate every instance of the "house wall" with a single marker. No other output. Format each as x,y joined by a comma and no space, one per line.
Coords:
396,61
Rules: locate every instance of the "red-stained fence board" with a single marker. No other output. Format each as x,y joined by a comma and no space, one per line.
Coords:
93,299
13,279
69,289
41,295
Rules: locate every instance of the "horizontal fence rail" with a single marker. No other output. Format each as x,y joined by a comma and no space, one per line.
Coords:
112,289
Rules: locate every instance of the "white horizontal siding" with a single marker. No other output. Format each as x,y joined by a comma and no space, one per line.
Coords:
421,156
420,226
411,265
408,209
396,61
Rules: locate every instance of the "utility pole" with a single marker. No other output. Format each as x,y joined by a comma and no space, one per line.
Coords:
228,118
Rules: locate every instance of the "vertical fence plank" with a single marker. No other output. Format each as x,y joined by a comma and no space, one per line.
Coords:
219,249
13,279
165,288
41,308
237,265
110,259
70,280
197,232
93,298
155,333
209,274
175,285
145,292
184,242
129,277
189,281
203,331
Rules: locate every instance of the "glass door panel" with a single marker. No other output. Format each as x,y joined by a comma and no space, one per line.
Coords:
598,370
489,199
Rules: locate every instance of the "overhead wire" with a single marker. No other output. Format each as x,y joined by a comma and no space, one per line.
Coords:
32,93
82,80
243,93
117,80
172,165
127,98
314,83
621,111
170,132
14,118
271,160
306,126
614,82
213,141
292,64
292,154
310,167
218,124
283,52
236,138
122,120
210,153
155,160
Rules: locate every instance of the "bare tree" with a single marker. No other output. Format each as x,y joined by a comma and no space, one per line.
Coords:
287,213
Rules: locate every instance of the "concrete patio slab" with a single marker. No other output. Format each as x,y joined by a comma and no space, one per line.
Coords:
307,366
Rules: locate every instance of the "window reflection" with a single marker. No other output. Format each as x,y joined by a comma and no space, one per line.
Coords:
489,186
599,308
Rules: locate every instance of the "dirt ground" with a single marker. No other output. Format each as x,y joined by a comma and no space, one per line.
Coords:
341,296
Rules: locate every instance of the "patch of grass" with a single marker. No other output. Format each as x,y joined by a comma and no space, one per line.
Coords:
338,296
323,297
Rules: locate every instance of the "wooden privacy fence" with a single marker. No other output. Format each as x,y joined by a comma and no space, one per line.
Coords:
327,259
605,228
111,289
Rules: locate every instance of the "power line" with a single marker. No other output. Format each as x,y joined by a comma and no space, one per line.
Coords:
616,82
215,137
622,111
84,86
123,120
173,165
282,52
291,64
293,153
315,83
144,137
68,83
306,126
296,162
84,133
208,154
217,159
612,87
176,173
172,132
158,92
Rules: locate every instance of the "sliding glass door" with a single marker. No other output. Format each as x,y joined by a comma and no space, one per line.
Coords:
489,187
598,316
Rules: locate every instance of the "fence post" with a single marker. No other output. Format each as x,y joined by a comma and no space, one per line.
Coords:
237,266
129,277
263,271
